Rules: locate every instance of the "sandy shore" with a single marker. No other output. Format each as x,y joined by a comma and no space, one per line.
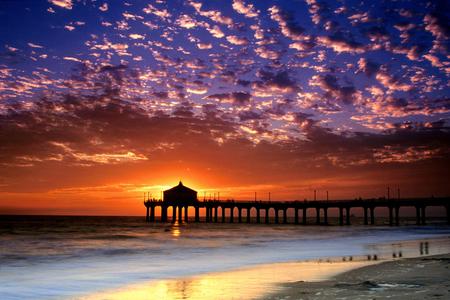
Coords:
410,278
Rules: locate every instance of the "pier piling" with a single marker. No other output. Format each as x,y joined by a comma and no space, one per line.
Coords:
317,216
366,219
212,210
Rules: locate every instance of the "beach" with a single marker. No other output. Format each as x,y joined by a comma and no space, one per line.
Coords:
126,258
409,278
402,278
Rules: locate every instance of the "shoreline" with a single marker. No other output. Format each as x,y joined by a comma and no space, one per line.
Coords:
349,277
423,277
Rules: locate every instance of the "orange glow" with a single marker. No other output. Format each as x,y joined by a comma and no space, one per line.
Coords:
112,196
119,189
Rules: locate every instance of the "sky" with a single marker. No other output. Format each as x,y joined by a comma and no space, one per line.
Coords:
103,101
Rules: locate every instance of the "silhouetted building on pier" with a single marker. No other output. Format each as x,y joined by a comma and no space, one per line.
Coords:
180,198
180,195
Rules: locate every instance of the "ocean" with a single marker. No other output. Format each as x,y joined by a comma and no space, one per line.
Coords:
56,257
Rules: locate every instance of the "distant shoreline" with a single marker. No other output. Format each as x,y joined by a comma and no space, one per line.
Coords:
411,278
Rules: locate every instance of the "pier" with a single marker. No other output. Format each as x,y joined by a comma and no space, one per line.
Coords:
180,198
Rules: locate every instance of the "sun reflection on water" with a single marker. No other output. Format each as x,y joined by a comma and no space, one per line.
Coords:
175,230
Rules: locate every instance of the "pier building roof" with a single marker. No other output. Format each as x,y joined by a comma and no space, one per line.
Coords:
180,195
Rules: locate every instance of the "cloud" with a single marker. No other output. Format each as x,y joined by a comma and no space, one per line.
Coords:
247,10
288,26
390,82
392,154
390,106
204,46
102,129
67,4
273,83
161,13
305,45
130,16
136,36
367,67
434,60
259,31
377,33
237,98
249,115
72,59
119,48
216,31
32,45
188,22
265,52
318,10
99,158
235,40
161,95
437,24
333,91
197,90
340,44
214,15
86,130
103,7
413,52
359,18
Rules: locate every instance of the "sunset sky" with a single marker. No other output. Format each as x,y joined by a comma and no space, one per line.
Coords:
101,101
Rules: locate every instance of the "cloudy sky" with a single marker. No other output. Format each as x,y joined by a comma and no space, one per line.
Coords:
101,101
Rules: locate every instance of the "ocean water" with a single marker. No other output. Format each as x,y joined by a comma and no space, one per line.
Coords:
70,257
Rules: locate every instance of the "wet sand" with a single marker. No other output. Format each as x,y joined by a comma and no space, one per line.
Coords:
246,283
374,276
409,278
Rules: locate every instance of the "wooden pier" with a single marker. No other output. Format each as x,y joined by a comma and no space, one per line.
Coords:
179,202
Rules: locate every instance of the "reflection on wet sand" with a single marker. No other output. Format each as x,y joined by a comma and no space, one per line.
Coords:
258,281
248,283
